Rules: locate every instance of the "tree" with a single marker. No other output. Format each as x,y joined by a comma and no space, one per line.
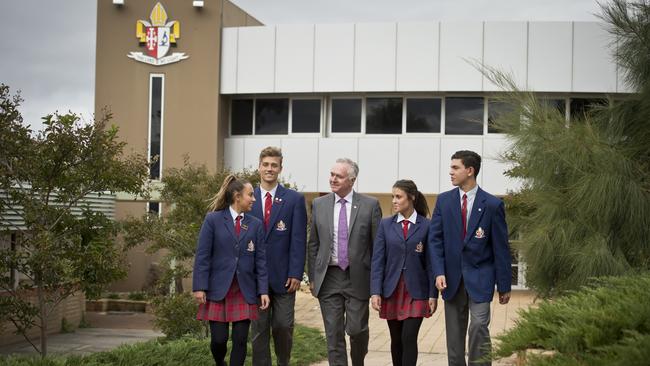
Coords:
62,246
584,207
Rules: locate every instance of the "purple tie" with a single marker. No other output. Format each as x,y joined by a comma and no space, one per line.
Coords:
342,236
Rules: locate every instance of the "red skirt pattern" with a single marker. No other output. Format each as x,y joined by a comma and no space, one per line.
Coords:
232,308
401,305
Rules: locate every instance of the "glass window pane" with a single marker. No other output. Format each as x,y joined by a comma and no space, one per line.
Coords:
558,104
305,115
579,107
271,116
496,109
423,114
464,116
242,117
384,115
346,115
156,121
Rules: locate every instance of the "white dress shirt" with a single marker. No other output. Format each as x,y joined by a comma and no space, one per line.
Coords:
234,215
334,259
411,218
263,196
471,195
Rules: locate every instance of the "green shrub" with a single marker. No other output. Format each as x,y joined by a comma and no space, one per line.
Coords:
113,296
137,296
606,323
308,348
176,315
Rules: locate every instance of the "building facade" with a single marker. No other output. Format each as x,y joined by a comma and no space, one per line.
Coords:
399,98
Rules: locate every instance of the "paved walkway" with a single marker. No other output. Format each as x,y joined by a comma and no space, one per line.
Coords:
111,330
431,340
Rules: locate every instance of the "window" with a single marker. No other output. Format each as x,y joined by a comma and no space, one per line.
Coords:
241,117
346,115
497,109
156,85
423,114
580,107
558,104
463,116
305,115
153,208
271,116
384,115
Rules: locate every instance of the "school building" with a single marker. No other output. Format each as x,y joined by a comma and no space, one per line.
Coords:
208,80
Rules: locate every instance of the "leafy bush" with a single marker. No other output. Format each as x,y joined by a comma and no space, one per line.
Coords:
176,316
137,296
308,348
606,323
113,296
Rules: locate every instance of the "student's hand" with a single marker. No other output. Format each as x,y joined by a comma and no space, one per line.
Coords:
376,302
199,296
292,284
265,300
433,305
441,282
504,298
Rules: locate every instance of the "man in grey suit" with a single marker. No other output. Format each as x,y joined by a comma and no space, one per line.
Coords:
343,227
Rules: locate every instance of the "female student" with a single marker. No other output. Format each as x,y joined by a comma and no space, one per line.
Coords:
401,278
230,269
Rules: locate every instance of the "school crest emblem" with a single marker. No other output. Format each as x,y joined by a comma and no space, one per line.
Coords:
480,234
157,36
419,248
281,226
251,246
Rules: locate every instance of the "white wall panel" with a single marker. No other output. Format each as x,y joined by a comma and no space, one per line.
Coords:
328,151
549,56
252,148
417,56
374,57
594,69
460,42
256,60
294,64
505,50
300,163
378,163
449,145
334,57
229,61
492,167
233,153
419,160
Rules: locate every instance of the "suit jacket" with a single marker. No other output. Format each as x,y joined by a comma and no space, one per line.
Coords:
483,258
286,238
365,215
220,255
394,255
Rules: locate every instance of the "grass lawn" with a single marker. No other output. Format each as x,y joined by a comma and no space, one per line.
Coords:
309,346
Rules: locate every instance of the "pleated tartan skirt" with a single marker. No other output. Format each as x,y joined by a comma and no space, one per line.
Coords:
400,305
232,308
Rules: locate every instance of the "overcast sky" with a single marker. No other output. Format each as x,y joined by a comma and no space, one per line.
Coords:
48,46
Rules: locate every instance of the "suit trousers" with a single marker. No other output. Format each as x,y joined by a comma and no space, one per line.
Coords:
279,317
456,318
343,313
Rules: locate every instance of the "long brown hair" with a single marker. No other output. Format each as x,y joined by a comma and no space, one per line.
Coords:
226,195
411,190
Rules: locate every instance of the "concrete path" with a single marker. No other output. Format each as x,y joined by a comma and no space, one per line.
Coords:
431,340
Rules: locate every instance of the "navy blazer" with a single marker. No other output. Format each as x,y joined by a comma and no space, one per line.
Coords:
393,255
483,258
220,255
286,238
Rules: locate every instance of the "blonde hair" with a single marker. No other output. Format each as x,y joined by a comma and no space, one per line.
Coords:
271,151
226,195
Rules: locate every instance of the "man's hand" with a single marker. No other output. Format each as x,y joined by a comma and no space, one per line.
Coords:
433,305
199,296
441,282
504,298
265,300
292,284
376,302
